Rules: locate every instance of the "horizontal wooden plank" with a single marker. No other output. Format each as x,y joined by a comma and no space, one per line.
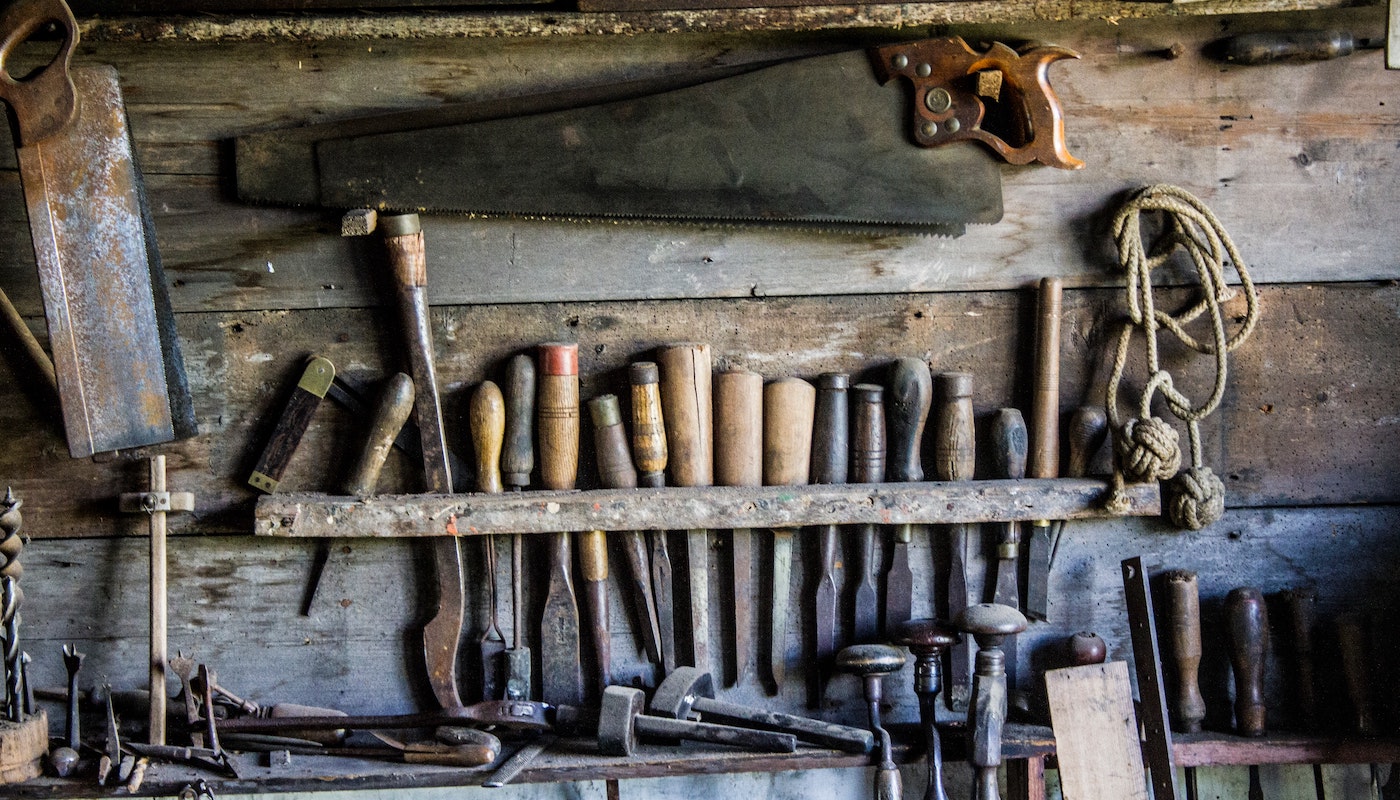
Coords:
930,503
1196,750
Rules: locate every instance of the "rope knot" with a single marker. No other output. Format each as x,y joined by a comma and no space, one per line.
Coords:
1149,449
1197,498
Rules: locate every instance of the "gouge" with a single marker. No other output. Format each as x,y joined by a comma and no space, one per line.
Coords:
830,464
685,402
557,429
517,462
955,459
739,454
1044,456
486,415
650,455
291,426
615,471
867,466
910,395
788,407
1008,439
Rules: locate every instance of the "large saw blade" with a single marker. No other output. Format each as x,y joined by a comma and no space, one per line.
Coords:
814,142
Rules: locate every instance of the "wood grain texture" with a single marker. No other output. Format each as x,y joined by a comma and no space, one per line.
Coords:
1096,733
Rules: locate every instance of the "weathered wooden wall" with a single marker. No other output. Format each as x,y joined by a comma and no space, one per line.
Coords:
1298,161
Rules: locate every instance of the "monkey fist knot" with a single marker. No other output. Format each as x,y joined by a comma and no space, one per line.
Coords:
1198,499
1149,449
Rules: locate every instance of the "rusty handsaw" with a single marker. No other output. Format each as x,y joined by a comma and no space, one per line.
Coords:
121,380
828,141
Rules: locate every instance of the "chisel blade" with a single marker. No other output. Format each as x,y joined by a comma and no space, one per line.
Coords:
782,586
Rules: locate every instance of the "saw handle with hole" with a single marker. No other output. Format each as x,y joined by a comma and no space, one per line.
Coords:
44,102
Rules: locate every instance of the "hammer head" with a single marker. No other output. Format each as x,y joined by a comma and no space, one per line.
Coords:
621,705
676,696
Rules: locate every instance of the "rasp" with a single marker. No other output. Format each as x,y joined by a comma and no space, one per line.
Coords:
120,376
818,141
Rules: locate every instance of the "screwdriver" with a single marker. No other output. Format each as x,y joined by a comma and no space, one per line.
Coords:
1247,623
1288,47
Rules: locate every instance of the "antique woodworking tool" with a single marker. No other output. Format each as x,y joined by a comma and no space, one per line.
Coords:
830,464
1247,630
788,407
156,503
955,459
1356,671
521,715
1086,647
621,721
867,466
1008,435
1183,618
689,691
65,759
486,415
927,640
615,471
292,425
517,462
1288,47
11,544
910,396
1044,457
651,456
116,357
1300,606
518,761
990,625
739,460
871,663
685,403
1147,662
557,432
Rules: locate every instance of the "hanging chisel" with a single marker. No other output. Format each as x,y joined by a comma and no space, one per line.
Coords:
291,426
442,636
557,429
685,402
650,455
1044,456
867,466
788,408
830,464
955,459
615,471
910,395
517,462
738,421
1008,435
487,419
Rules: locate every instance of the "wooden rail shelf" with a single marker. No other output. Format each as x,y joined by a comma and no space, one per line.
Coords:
320,515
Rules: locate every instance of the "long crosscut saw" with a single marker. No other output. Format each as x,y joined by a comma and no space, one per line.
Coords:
831,141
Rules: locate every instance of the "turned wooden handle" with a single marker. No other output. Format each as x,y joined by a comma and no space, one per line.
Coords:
1008,435
867,433
910,397
789,405
395,404
556,414
518,453
685,404
1088,427
831,456
648,425
738,421
1044,459
954,443
487,417
1183,611
1247,621
615,470
1301,605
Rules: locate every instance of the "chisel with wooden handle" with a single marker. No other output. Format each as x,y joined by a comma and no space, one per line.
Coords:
408,262
738,421
487,419
615,471
292,425
557,432
1044,456
788,408
867,466
910,396
1008,441
517,462
650,457
955,459
685,403
830,465
1247,630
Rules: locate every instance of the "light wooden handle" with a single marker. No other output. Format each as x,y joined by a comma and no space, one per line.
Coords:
487,417
789,405
615,470
556,413
395,405
954,442
738,419
1045,396
685,403
1184,633
648,424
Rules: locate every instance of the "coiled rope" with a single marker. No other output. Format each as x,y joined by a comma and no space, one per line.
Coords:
1147,447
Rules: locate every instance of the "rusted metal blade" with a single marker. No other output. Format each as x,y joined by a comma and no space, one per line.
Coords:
560,665
867,608
899,582
778,621
1157,747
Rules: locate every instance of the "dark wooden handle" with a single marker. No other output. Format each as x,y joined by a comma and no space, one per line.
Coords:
556,415
1008,434
395,404
909,399
788,407
518,453
685,405
615,470
1247,621
1351,642
1088,427
867,433
291,426
831,446
1183,618
648,425
954,442
1045,395
738,420
1301,606
487,417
